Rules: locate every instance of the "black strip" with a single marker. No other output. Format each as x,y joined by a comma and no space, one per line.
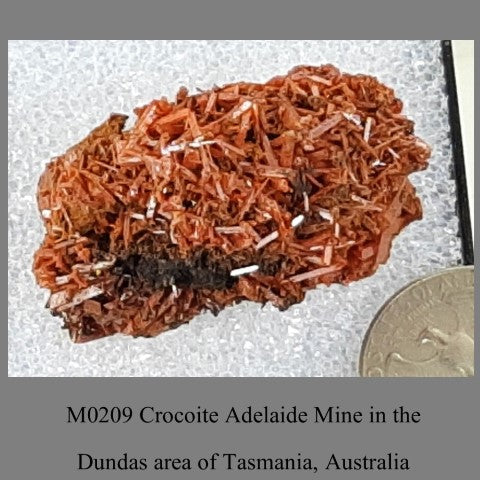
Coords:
463,208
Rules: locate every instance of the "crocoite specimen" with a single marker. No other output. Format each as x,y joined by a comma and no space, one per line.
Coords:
246,192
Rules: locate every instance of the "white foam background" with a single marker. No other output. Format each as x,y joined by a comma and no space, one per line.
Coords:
60,90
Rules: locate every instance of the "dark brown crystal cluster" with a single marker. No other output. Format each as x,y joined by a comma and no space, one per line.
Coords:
246,192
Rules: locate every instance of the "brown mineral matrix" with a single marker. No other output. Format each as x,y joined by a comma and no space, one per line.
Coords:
246,192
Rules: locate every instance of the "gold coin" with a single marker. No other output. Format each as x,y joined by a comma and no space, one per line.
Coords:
425,330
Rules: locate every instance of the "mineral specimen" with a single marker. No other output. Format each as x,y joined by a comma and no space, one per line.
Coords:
246,192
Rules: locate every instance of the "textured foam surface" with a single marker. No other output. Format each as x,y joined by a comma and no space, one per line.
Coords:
59,91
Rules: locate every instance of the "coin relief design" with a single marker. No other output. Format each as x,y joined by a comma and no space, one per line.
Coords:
426,330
